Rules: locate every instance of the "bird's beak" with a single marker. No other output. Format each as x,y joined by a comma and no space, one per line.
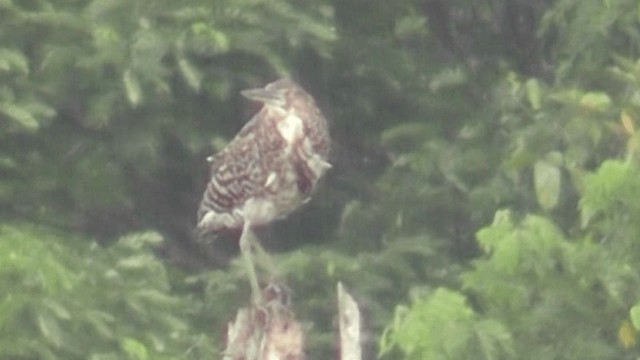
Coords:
263,95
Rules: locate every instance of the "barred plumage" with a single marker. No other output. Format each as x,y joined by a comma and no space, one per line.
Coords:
272,165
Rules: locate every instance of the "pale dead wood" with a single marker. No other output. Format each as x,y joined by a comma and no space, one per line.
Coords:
266,331
349,314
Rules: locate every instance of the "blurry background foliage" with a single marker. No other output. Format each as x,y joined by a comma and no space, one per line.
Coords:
483,200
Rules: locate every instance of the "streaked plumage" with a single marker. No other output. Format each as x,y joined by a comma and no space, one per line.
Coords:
272,165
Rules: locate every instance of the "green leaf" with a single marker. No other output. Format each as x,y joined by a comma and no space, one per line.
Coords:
533,93
50,329
547,181
102,323
614,185
19,115
596,101
501,242
191,74
410,25
635,316
140,240
40,109
136,262
13,60
132,88
405,137
135,349
493,339
216,40
448,78
58,309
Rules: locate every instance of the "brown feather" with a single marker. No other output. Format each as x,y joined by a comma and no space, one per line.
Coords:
272,165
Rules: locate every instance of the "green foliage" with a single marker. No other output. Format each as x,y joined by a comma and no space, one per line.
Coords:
560,282
535,286
104,91
533,279
442,326
589,32
378,278
445,114
67,298
547,181
610,193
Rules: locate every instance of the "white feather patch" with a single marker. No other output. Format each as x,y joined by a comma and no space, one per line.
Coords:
291,127
270,179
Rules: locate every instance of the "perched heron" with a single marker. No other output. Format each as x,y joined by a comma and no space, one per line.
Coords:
269,169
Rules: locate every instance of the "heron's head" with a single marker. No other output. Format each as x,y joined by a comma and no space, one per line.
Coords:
282,93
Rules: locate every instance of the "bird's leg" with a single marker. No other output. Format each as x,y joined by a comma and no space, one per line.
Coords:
247,244
263,259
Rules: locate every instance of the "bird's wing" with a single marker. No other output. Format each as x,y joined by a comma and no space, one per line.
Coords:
214,161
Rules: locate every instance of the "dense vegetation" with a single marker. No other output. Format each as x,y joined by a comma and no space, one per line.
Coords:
483,202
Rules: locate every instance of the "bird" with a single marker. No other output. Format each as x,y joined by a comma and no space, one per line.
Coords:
269,169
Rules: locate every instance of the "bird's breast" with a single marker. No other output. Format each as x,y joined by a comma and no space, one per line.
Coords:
291,128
